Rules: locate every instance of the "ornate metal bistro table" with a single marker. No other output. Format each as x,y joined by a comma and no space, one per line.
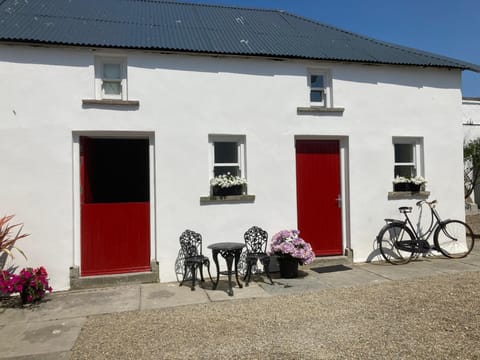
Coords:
230,251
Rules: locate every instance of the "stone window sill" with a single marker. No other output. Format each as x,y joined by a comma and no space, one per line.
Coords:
110,102
320,110
230,199
397,195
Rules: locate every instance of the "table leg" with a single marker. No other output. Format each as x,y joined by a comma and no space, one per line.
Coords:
215,260
229,259
237,258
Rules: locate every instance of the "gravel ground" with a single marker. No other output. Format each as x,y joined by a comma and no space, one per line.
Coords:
430,318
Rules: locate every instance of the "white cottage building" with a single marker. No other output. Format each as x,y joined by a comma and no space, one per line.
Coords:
114,119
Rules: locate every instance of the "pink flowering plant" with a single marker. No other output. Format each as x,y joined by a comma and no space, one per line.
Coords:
32,284
288,243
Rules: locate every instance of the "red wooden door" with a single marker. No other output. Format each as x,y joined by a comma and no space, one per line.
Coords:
115,209
318,194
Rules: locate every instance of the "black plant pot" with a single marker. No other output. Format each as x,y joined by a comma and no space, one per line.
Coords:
288,267
407,187
232,190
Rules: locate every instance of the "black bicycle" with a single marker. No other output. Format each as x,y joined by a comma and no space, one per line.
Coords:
399,242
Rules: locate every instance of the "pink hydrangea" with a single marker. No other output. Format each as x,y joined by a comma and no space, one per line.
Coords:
287,242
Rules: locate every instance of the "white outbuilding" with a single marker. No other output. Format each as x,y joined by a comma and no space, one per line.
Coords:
115,116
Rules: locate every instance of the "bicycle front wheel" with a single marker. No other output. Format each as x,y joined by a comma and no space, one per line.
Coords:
395,242
454,239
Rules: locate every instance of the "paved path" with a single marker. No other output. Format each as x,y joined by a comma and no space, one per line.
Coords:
50,329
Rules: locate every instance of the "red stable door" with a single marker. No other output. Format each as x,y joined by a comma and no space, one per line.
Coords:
318,195
115,207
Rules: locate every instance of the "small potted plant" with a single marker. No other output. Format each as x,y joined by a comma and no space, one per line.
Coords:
413,184
291,251
32,284
228,184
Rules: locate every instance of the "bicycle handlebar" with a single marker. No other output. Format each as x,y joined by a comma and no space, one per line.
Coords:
429,203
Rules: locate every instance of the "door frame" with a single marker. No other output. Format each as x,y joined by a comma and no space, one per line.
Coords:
344,183
76,183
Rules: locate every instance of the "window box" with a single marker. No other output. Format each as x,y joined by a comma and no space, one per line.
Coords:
407,187
227,191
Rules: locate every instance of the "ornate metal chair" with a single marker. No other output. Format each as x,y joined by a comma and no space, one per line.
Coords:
256,250
191,244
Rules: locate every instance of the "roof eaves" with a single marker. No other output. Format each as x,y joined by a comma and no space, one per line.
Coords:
226,53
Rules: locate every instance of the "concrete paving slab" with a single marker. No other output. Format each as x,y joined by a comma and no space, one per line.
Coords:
305,282
155,296
412,270
450,266
472,259
70,304
351,276
64,355
253,290
40,338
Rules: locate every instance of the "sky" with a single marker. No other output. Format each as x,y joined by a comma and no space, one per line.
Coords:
445,27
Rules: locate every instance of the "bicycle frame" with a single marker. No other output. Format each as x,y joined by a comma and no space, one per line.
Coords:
435,221
420,244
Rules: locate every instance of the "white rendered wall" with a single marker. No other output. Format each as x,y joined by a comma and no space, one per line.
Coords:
183,99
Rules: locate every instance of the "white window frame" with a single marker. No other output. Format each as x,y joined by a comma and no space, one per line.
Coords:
100,61
239,140
327,87
417,144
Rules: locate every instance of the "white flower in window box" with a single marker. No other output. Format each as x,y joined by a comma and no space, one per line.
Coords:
413,184
227,184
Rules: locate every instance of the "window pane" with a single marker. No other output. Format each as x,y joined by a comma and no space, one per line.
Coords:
404,153
226,152
112,88
221,170
111,71
316,96
316,81
405,171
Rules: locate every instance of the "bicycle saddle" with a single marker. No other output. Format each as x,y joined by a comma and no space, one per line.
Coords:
405,209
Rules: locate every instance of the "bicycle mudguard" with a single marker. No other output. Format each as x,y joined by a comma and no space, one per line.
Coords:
388,222
391,221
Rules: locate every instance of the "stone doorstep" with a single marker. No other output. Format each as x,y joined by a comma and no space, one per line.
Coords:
78,282
346,259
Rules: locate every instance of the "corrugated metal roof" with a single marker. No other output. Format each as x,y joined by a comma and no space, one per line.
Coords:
176,26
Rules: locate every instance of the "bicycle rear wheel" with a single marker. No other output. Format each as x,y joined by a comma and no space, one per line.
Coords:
454,239
396,243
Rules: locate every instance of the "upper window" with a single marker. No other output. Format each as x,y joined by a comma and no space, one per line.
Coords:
319,83
111,78
408,156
